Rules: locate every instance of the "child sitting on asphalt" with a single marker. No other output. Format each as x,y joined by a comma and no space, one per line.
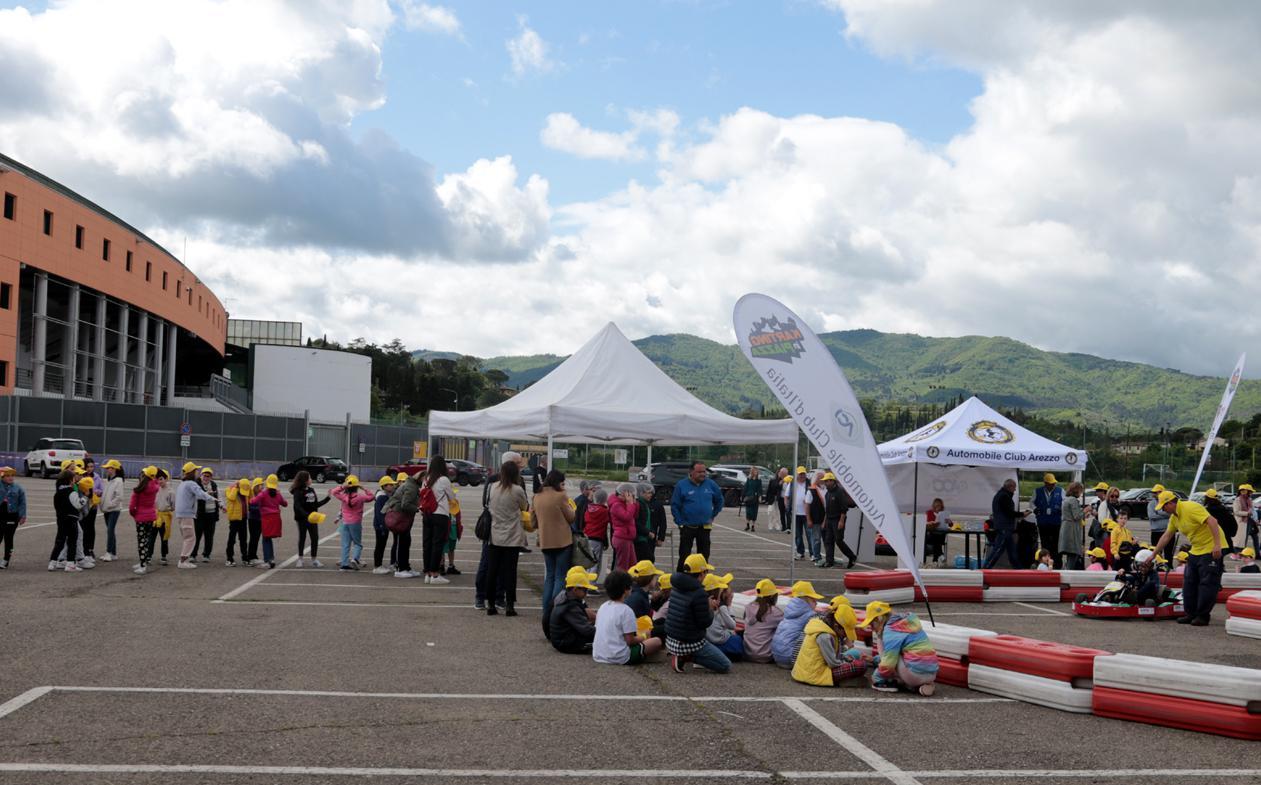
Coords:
661,599
761,619
1098,559
1248,557
722,630
791,630
826,658
617,637
907,658
691,613
644,573
572,624
1043,560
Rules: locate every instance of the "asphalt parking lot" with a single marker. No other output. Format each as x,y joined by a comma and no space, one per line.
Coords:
222,675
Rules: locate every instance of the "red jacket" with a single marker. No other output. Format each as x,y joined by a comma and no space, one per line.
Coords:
269,503
623,515
142,506
595,522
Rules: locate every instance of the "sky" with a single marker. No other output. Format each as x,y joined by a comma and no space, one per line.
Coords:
505,178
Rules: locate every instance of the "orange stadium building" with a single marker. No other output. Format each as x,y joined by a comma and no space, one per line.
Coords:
90,307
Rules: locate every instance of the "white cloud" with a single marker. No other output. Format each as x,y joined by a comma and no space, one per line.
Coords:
528,52
430,18
563,132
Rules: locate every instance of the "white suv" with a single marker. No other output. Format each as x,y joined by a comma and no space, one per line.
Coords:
47,455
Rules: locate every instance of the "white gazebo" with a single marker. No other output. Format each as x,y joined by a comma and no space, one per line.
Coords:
963,458
608,392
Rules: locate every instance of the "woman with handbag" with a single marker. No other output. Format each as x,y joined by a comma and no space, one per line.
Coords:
507,538
554,516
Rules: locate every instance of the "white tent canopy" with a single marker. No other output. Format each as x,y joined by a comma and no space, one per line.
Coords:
963,458
608,392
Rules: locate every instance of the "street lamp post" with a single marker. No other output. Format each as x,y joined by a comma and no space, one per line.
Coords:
454,393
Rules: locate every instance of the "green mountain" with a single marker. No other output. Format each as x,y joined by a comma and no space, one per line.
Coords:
904,368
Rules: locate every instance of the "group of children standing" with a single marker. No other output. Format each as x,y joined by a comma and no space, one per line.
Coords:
689,615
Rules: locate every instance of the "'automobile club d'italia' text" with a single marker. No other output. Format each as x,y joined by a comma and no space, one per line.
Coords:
822,438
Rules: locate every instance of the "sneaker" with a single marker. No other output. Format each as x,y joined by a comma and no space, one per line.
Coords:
316,563
54,566
262,565
1199,621
799,557
358,565
406,574
1186,619
298,563
428,578
108,557
884,688
87,563
453,571
437,579
188,565
676,664
346,568
850,563
382,570
229,563
820,564
271,565
164,561
479,605
72,567
4,564
205,559
140,569
927,690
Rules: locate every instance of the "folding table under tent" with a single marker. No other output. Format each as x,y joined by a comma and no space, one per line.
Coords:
963,458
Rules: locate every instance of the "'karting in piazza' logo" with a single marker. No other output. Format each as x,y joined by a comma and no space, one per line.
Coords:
771,339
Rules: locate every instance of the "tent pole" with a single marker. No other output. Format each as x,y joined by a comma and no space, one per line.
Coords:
549,449
915,510
792,516
649,460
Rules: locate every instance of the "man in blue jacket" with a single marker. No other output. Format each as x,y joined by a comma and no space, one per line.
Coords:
695,503
1048,506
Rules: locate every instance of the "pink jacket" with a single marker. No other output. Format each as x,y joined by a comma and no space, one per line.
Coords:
623,516
269,505
142,507
352,503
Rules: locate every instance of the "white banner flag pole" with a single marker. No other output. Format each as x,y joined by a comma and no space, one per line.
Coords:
1220,417
802,373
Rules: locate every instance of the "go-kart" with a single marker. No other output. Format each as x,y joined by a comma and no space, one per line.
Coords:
1118,600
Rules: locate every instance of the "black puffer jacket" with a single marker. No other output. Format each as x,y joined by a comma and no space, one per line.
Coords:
569,626
689,615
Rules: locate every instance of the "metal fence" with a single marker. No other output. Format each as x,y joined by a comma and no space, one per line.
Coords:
152,433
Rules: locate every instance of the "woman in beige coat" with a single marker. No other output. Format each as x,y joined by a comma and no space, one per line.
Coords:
555,516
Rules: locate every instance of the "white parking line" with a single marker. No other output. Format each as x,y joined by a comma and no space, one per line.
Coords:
853,746
252,582
365,604
392,584
10,706
26,526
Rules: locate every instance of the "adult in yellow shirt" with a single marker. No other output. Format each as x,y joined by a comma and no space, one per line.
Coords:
1203,577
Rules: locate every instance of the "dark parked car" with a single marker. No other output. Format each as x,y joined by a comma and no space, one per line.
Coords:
321,467
467,472
417,466
664,475
1134,501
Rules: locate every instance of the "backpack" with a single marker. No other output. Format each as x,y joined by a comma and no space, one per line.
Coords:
428,501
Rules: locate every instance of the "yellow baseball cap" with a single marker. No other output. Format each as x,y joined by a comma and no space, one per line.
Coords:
150,472
827,476
801,470
112,463
1103,486
386,480
1249,552
1166,497
243,484
189,467
273,481
1158,488
805,589
1097,553
766,588
1049,478
85,484
1247,487
664,581
402,476
696,564
351,481
642,568
713,581
1211,493
845,616
875,609
579,578
839,600
208,470
7,470
316,517
1181,556
643,624
257,481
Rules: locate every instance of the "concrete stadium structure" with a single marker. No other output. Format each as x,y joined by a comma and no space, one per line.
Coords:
90,307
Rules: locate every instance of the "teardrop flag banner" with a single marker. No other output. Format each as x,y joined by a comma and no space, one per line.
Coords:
1222,408
802,373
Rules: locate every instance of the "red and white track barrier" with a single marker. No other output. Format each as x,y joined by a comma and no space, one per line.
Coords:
1040,672
1244,614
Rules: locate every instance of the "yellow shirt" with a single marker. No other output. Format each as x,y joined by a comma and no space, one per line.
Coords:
1190,519
1119,535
